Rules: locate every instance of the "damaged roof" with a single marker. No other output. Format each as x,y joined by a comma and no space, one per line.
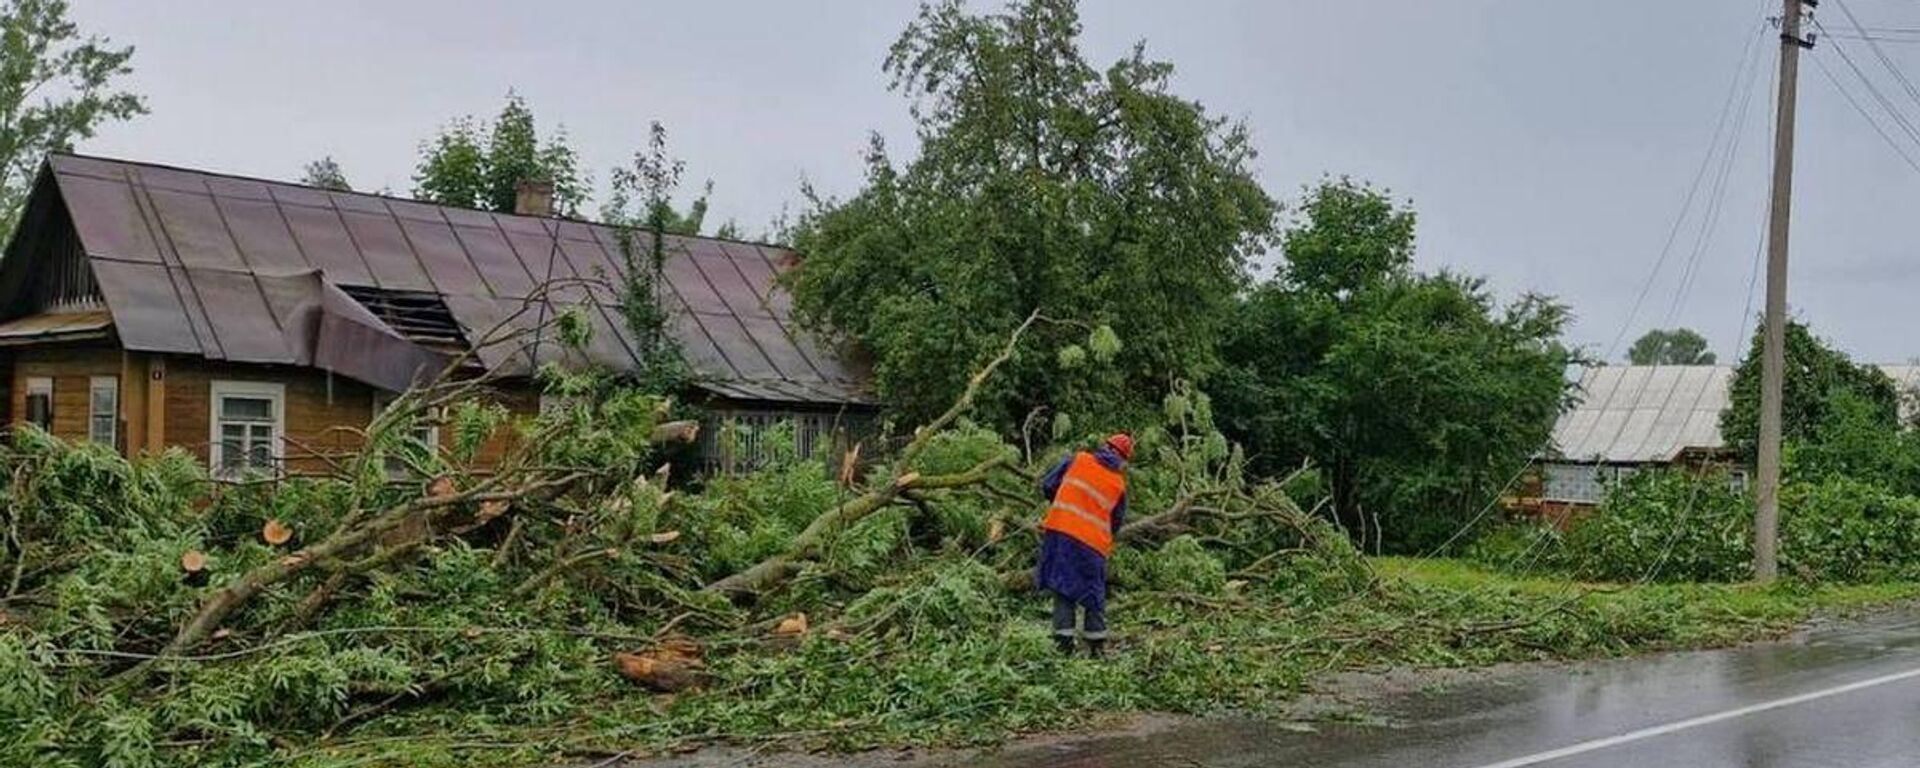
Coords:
192,262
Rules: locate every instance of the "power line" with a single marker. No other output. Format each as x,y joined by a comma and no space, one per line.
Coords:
1716,203
1898,75
1899,117
1862,110
1693,189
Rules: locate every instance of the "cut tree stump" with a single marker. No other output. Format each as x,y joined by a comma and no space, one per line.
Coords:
669,668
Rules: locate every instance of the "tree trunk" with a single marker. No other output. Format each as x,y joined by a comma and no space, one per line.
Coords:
1346,500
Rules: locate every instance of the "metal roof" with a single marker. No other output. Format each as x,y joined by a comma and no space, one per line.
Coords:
188,262
1629,414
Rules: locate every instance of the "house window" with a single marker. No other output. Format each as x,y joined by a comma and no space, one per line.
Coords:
249,426
1737,480
40,402
424,435
1577,483
103,410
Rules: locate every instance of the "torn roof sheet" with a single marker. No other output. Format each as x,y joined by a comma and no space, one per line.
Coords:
187,262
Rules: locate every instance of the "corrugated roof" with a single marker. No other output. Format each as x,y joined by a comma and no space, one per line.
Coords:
1634,413
1647,413
187,262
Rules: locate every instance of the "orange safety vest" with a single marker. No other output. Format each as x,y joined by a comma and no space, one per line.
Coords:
1083,507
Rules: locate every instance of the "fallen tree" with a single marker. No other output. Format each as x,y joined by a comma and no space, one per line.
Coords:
231,623
902,479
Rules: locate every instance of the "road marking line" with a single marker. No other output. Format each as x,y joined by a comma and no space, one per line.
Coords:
1659,730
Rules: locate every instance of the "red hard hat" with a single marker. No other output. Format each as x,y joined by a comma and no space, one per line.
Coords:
1122,443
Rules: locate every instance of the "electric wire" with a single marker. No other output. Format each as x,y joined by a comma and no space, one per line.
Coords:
1716,203
1874,44
1886,104
1742,76
1693,190
1534,551
1834,80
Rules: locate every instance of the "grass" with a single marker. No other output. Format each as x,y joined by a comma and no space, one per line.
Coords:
1248,648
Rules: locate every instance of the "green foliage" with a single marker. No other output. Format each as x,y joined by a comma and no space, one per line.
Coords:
742,519
1666,526
916,638
56,86
1854,440
1819,380
1683,526
1418,395
325,173
641,211
1354,238
1180,565
1042,181
1848,530
475,165
1679,346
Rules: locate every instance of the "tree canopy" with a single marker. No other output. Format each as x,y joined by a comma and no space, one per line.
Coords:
475,165
325,173
1096,196
1419,395
1822,385
57,85
1678,346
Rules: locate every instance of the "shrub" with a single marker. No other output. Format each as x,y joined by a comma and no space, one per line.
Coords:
1842,529
1683,526
1665,525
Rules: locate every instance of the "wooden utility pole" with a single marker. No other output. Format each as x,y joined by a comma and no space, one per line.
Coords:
1766,519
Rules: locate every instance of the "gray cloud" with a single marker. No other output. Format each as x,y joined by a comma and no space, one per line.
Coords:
1546,144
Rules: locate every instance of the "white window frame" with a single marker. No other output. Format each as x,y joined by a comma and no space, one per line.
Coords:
271,391
39,385
428,432
95,385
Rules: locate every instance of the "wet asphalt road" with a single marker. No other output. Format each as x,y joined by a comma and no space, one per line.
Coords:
1846,696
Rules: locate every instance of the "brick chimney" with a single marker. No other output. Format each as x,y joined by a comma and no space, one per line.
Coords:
533,197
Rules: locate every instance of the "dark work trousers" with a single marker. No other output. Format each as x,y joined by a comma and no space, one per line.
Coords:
1093,628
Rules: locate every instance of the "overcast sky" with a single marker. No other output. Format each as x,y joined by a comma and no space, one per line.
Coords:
1548,145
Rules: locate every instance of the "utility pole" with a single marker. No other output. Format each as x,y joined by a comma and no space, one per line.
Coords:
1766,519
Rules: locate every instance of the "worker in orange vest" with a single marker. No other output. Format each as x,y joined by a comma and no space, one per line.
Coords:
1089,493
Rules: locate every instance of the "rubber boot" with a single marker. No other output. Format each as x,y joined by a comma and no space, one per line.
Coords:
1097,648
1064,643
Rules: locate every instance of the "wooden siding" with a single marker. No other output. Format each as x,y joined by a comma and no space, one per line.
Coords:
166,401
316,408
318,412
72,369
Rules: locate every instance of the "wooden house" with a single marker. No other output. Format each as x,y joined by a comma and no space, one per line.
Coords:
147,306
